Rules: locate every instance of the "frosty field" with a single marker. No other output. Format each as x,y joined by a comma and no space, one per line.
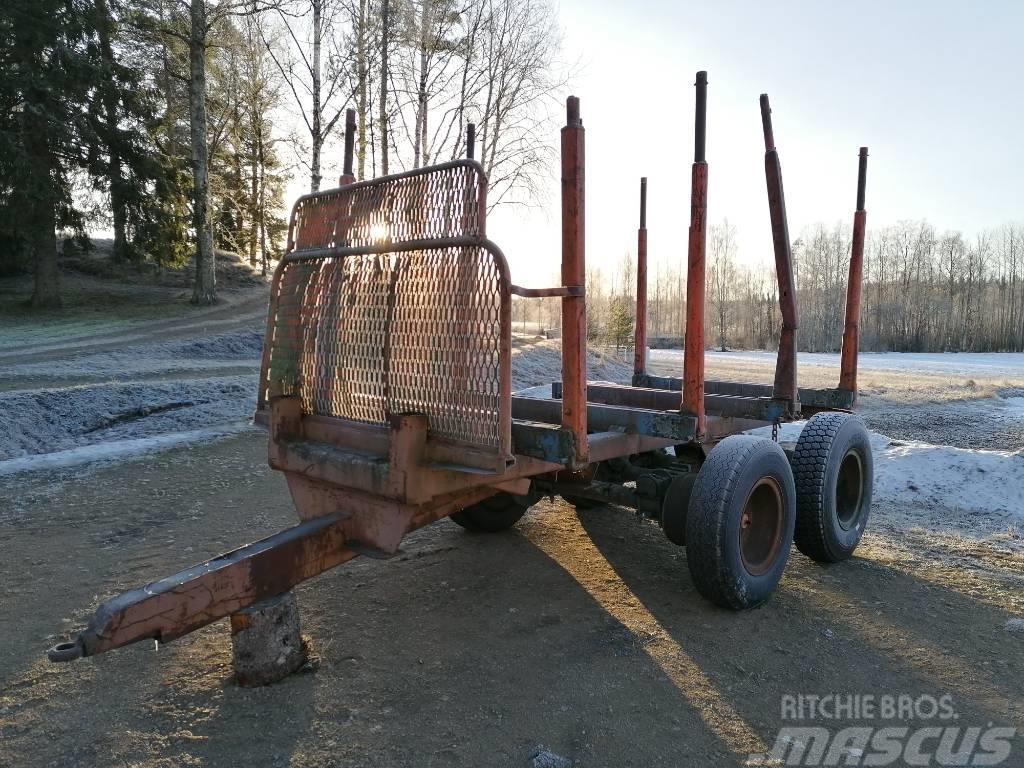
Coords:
122,462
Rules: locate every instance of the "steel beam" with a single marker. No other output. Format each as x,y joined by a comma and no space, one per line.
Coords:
672,425
811,400
746,406
197,596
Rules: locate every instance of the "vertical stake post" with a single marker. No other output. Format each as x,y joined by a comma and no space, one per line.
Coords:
851,330
471,141
574,273
347,176
785,365
693,352
640,329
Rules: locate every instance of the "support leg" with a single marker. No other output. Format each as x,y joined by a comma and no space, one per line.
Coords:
266,641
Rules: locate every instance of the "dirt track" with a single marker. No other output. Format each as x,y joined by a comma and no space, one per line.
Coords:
582,635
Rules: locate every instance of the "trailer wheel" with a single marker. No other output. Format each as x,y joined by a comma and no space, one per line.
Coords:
495,513
675,508
834,474
740,523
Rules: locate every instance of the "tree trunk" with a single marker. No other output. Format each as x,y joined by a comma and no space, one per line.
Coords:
425,42
362,73
316,131
115,179
254,193
385,22
205,290
42,222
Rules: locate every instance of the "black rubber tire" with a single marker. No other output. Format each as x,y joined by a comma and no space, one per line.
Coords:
828,530
494,514
675,508
731,473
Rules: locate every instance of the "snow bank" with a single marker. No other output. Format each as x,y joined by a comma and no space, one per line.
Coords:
993,364
540,363
956,483
49,420
118,449
225,350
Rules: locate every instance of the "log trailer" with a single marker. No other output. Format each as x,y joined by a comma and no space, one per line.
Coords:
386,390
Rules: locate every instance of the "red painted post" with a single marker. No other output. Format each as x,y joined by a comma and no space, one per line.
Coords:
640,329
851,332
785,365
348,177
693,353
574,272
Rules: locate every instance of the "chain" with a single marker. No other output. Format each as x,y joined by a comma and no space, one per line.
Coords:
775,431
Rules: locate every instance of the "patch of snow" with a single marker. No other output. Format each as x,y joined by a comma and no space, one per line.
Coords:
225,350
1014,625
117,450
540,363
970,489
1015,405
993,363
50,420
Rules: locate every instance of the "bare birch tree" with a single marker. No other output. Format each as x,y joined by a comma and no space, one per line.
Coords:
314,61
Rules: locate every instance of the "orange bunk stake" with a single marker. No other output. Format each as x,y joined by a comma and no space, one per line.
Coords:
785,366
848,365
574,272
693,353
640,329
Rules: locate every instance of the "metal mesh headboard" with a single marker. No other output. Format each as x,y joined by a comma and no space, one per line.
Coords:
392,301
448,200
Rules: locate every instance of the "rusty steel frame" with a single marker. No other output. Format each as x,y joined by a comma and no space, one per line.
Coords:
851,330
693,343
360,487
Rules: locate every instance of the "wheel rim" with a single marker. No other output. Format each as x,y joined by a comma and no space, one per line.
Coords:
761,527
849,490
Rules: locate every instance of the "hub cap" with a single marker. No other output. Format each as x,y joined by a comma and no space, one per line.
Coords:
761,527
849,490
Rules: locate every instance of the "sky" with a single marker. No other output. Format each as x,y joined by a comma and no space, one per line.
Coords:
935,89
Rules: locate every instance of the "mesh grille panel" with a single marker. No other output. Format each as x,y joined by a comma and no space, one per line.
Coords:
362,336
445,201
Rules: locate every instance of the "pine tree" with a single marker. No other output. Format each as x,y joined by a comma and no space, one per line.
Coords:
48,68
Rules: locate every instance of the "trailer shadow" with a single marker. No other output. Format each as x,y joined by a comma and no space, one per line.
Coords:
583,635
860,627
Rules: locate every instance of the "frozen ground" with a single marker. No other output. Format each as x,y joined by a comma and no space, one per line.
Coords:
220,351
932,602
972,493
151,397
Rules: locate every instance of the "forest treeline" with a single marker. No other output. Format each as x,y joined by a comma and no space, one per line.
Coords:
177,123
924,290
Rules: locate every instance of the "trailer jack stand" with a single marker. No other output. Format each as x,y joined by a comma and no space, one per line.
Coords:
266,641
